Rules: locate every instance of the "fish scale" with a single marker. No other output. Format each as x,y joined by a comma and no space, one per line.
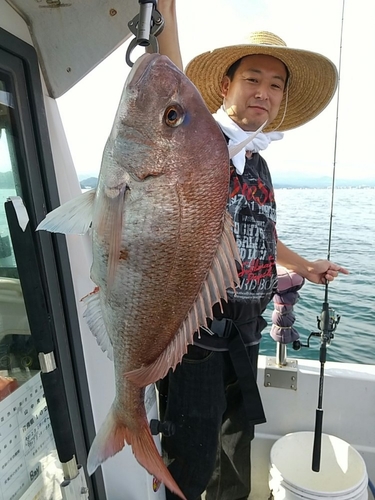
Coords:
163,248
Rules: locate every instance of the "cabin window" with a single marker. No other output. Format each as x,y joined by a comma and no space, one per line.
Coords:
18,358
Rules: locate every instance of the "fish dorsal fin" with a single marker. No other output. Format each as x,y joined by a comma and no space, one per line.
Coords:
94,318
222,275
73,217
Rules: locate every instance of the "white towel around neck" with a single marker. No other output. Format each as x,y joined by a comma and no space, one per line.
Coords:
236,135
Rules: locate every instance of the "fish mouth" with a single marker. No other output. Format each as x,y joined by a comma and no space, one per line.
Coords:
142,66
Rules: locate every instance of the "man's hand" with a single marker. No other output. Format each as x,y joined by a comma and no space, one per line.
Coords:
321,271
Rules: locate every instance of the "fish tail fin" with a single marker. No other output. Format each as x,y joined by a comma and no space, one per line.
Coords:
147,455
111,439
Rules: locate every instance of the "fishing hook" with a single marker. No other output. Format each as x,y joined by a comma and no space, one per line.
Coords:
146,26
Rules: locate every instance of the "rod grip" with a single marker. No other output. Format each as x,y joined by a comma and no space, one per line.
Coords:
317,440
55,395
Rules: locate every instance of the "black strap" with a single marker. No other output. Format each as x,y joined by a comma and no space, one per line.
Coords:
244,371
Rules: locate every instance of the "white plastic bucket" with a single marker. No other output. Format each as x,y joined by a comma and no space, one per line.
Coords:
342,476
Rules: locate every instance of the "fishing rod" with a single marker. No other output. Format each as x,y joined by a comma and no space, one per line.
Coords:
327,322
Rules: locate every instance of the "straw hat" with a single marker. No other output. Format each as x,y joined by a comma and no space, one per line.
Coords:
312,77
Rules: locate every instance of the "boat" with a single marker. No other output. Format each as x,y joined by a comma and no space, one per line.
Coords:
55,395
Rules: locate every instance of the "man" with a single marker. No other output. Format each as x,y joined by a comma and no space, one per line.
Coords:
212,396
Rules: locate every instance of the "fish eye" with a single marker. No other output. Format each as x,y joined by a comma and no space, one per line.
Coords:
174,115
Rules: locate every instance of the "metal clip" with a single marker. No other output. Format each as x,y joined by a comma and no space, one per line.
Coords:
146,26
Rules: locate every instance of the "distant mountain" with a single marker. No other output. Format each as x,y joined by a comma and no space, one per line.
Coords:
298,181
287,181
87,175
90,183
291,180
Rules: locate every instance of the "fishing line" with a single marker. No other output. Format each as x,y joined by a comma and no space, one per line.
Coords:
336,135
327,322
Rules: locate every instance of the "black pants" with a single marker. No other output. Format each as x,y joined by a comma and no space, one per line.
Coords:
210,449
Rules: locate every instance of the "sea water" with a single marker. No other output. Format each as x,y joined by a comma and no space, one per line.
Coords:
303,217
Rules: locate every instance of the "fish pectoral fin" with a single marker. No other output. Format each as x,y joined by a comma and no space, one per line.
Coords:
94,318
108,223
73,217
111,439
222,275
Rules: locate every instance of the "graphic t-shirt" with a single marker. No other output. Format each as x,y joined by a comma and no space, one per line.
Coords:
253,209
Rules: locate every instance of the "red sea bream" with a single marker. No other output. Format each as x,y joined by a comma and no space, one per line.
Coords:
162,243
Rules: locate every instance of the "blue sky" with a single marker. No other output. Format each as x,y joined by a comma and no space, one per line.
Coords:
89,108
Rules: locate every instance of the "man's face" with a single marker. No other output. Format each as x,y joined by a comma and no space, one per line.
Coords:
255,92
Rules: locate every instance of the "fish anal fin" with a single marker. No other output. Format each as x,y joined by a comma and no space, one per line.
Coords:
111,439
94,319
221,276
